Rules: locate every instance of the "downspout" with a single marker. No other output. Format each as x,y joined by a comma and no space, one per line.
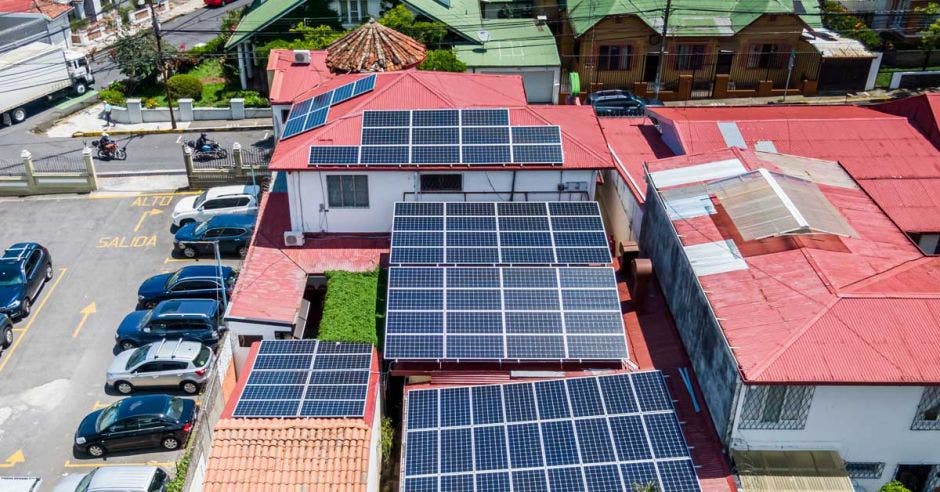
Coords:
512,188
729,429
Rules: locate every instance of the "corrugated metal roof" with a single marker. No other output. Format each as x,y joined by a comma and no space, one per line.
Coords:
716,257
289,80
700,172
731,134
260,17
793,471
687,202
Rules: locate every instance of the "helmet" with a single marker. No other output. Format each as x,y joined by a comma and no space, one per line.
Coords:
104,134
203,135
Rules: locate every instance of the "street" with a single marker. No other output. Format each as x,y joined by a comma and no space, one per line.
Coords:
102,248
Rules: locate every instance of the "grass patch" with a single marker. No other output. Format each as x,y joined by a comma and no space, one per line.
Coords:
349,308
182,468
883,79
215,92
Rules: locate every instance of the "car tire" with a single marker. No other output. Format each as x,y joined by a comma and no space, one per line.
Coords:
96,450
7,339
48,272
18,115
189,387
170,443
26,307
242,251
189,252
127,345
123,387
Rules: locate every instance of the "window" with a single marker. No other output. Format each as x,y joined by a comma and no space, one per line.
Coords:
928,412
614,57
247,340
214,233
352,11
690,56
776,407
242,202
441,182
347,191
860,469
767,55
32,261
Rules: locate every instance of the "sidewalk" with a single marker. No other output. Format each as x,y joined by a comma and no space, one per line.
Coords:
89,123
177,8
876,95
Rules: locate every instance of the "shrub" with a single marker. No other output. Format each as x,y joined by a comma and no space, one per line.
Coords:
78,24
894,486
182,468
442,61
124,12
184,86
212,47
837,18
150,103
388,438
349,307
113,97
253,99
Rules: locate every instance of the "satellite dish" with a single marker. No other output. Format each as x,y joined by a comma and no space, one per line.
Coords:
484,35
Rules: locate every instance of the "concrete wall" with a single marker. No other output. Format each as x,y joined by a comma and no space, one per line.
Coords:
862,423
712,360
249,328
541,83
134,112
308,193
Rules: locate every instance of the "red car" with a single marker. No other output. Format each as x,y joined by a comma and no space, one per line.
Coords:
216,3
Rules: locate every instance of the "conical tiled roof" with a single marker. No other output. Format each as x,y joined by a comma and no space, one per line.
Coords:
374,48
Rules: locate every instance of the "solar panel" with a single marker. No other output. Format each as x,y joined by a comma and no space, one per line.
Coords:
502,313
536,135
306,378
484,117
313,112
560,435
334,154
544,154
521,233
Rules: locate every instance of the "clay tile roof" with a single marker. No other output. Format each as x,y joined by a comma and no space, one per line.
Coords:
374,48
289,454
48,8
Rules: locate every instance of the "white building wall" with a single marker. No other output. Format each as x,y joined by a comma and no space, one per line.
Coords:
310,211
862,423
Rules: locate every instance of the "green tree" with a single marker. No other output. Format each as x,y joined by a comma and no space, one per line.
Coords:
894,486
837,18
442,61
317,12
929,37
402,20
308,38
136,56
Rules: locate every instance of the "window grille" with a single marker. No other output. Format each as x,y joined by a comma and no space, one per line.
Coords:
928,412
858,469
776,407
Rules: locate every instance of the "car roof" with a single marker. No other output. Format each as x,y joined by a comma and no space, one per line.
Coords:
189,308
232,220
143,405
16,251
193,271
219,191
122,478
173,350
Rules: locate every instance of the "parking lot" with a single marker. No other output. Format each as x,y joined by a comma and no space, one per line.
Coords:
102,248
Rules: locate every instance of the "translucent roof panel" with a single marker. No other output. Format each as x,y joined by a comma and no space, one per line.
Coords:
764,204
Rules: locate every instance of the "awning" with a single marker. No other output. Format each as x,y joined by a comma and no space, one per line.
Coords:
803,471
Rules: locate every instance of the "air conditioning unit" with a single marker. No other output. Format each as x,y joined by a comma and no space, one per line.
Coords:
293,238
573,186
302,57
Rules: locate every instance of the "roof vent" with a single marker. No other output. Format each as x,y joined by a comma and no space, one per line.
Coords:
302,57
293,238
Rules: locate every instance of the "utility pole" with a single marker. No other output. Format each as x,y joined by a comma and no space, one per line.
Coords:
163,69
662,48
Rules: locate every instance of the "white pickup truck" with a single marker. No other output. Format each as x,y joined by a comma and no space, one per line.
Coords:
39,70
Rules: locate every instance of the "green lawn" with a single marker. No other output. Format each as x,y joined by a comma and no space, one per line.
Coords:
883,79
349,311
215,93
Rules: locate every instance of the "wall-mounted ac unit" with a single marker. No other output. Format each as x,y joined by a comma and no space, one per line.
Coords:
293,238
575,186
302,57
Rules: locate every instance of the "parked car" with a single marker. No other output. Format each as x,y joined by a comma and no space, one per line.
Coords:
194,281
137,422
164,364
112,478
617,102
6,332
217,3
24,268
188,319
231,232
221,200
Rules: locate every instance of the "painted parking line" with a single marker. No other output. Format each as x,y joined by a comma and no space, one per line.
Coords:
99,405
96,464
32,318
104,196
177,260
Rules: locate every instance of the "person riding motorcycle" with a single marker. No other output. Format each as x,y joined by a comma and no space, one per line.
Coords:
106,142
204,143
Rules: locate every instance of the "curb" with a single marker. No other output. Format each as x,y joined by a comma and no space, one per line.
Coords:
160,131
150,172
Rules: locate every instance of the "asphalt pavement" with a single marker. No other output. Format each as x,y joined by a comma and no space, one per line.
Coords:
53,375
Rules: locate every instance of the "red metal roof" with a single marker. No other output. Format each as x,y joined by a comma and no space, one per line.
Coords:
922,110
582,140
46,7
886,154
273,277
634,141
819,309
288,79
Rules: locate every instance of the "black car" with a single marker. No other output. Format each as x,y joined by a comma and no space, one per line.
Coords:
24,268
196,320
231,232
138,422
6,331
194,281
617,102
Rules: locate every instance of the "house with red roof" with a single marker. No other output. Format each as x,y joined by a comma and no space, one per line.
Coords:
26,21
809,316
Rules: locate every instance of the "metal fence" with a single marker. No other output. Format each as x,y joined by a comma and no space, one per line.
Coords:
12,167
245,166
60,164
776,407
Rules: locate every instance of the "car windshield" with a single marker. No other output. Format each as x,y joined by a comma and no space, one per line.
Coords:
201,228
10,274
203,358
199,199
137,357
146,319
172,279
107,417
174,409
86,480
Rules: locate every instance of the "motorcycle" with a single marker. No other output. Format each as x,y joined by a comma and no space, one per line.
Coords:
109,150
210,150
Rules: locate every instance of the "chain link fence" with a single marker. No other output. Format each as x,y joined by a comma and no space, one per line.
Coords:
12,167
60,164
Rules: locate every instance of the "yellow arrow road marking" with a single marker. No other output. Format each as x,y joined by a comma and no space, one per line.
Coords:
13,459
32,318
144,215
86,312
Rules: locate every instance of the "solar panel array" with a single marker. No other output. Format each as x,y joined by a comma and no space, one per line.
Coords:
444,137
499,233
601,433
307,378
311,113
491,313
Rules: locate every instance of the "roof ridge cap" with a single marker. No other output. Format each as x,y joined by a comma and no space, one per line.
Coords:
895,270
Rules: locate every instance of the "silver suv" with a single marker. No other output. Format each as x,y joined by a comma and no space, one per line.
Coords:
221,200
109,479
167,363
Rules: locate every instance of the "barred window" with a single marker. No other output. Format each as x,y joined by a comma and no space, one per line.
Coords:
690,56
348,191
859,469
614,57
928,412
776,407
768,55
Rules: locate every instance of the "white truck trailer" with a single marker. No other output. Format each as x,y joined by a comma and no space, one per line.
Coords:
39,70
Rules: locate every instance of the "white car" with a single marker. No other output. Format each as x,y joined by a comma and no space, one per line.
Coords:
220,200
109,479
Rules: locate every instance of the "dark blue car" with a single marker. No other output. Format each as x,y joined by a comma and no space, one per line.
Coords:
231,232
190,282
24,268
195,320
6,331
